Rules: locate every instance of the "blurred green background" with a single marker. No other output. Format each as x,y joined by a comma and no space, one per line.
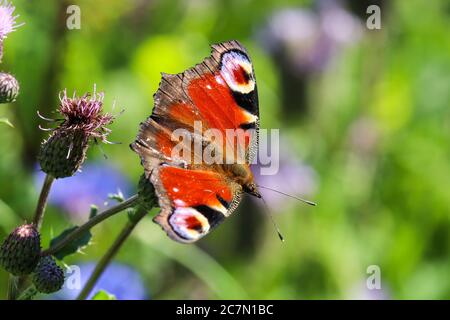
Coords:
364,123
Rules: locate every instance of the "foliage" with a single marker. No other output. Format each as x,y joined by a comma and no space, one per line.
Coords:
103,295
74,246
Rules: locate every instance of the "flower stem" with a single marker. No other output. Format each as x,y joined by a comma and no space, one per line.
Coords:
40,209
112,251
130,202
12,287
14,282
28,293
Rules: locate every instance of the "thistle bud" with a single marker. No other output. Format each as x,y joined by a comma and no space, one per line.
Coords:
63,153
48,277
9,88
146,193
19,253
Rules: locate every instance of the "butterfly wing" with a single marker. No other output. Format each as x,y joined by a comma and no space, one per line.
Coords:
219,93
193,202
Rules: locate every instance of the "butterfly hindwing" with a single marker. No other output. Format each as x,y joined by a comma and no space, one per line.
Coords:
193,202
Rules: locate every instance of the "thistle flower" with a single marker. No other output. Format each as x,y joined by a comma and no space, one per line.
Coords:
62,154
48,277
9,88
19,253
7,20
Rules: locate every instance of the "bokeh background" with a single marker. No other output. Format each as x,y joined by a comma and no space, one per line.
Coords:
364,125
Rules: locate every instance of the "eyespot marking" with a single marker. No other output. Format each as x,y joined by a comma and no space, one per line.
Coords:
237,71
241,76
188,223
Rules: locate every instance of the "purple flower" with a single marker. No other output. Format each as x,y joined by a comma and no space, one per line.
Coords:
338,24
91,186
118,279
83,120
85,114
7,20
305,40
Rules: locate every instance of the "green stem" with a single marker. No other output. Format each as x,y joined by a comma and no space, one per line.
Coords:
15,283
130,202
112,251
28,293
12,287
42,202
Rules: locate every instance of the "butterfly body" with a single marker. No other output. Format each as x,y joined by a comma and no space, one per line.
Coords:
215,99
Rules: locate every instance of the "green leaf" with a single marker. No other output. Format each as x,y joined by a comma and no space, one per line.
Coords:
103,295
6,121
131,213
119,197
73,247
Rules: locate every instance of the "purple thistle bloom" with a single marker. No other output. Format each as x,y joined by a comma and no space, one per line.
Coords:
119,279
91,186
63,153
85,114
7,20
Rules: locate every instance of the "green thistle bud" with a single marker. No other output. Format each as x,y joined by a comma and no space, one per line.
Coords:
146,193
63,153
9,88
19,253
48,277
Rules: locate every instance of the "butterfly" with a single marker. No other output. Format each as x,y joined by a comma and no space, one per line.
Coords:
219,93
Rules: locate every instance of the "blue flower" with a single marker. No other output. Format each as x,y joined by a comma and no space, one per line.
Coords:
121,280
91,186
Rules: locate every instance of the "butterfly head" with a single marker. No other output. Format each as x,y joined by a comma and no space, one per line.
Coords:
244,176
252,189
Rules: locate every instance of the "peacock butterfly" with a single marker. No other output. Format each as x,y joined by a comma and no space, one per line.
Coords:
219,93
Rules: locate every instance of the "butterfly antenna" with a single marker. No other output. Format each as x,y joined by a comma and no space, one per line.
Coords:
274,223
289,195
